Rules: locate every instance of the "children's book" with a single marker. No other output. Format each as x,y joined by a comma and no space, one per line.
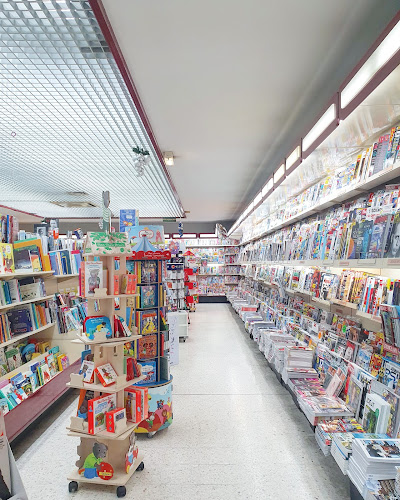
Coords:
87,370
148,272
147,322
97,409
84,397
91,277
147,347
44,374
148,296
148,368
20,320
6,258
95,325
106,374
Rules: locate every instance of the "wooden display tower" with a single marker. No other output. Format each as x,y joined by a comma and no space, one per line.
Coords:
104,351
160,389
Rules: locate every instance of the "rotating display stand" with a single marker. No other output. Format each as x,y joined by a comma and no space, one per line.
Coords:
160,386
117,448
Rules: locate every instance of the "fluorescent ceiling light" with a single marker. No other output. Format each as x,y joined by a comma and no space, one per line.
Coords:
68,121
189,235
268,186
322,124
293,157
257,199
169,158
212,235
381,55
279,173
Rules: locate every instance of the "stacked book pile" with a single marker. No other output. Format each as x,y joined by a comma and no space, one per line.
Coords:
373,459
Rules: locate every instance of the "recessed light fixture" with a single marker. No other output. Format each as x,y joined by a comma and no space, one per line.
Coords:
74,204
77,193
169,158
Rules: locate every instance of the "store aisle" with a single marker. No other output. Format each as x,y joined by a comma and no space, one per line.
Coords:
236,433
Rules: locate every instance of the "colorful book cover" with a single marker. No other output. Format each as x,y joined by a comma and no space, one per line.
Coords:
148,322
8,258
148,271
106,374
151,234
93,277
149,369
147,347
128,218
148,296
97,409
84,398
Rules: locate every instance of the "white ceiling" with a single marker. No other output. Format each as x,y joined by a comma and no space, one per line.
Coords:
230,85
67,121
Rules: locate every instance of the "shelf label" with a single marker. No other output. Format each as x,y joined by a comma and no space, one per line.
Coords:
393,262
344,263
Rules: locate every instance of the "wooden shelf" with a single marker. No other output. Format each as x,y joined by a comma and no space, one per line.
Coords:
105,434
82,339
65,276
17,338
16,304
119,478
108,297
25,274
111,389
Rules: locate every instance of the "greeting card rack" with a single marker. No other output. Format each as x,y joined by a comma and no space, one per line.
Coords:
151,271
117,449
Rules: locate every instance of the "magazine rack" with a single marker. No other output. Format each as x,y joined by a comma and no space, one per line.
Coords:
160,387
118,448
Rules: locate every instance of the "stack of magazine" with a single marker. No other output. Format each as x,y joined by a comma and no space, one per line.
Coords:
373,459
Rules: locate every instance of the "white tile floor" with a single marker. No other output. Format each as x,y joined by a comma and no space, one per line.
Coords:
236,432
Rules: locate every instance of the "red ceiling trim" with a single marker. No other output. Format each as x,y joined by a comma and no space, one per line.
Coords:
105,26
21,211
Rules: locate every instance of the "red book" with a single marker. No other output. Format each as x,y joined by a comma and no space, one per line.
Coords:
106,374
116,284
112,417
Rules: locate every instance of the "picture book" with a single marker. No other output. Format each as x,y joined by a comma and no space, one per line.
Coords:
63,362
152,234
148,296
147,271
97,326
147,347
21,320
84,397
13,358
147,322
87,370
91,277
22,260
6,258
44,374
113,417
52,364
106,374
149,369
97,409
128,218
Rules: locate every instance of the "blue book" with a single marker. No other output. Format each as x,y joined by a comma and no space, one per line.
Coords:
20,321
148,368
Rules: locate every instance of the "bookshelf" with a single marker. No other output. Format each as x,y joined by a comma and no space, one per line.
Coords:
24,414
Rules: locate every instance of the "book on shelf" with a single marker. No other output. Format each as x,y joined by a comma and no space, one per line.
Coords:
90,278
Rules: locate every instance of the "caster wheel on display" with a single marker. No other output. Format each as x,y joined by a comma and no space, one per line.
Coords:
121,491
73,486
140,466
150,435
